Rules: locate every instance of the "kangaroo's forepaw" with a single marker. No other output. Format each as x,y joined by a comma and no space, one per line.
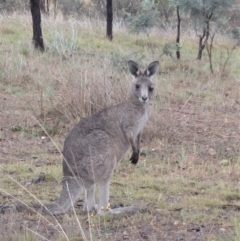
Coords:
134,158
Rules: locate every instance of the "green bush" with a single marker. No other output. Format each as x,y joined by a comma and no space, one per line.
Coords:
144,19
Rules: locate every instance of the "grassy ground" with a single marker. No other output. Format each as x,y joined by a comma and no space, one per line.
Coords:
188,176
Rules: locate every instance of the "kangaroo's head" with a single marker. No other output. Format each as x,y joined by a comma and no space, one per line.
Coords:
142,86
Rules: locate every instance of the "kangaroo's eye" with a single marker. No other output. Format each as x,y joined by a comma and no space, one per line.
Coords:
151,88
137,86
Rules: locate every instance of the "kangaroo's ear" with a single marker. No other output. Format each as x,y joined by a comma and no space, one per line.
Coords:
152,69
134,68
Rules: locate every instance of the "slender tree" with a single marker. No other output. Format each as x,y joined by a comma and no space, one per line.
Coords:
109,19
48,6
204,14
42,5
36,23
204,36
55,8
209,51
175,4
178,33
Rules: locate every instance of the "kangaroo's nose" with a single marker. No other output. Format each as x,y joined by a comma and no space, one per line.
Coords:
144,98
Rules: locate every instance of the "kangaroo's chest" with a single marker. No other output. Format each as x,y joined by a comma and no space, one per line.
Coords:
140,124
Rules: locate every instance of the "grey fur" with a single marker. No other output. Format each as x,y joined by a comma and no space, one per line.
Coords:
97,143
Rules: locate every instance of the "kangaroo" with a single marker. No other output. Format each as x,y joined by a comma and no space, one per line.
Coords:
97,143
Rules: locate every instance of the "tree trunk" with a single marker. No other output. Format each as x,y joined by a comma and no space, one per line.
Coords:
178,33
206,32
48,6
109,19
37,30
42,6
200,47
209,50
55,8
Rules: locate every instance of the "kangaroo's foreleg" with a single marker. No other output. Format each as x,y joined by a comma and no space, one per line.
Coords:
135,148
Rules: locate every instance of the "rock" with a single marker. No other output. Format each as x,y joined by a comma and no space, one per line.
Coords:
224,162
38,179
212,152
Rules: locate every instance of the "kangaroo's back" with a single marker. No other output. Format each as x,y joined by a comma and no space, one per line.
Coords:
97,143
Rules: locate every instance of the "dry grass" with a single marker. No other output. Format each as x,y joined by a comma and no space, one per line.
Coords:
188,176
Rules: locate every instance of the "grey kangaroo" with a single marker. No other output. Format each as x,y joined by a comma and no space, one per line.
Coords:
97,143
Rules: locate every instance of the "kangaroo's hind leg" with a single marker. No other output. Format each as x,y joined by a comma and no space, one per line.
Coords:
71,190
90,203
103,205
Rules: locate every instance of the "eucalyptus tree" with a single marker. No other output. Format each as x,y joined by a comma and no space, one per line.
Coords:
109,19
176,5
235,36
203,15
36,23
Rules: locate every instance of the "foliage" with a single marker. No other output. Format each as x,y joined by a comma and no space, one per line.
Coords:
165,9
200,10
235,35
70,8
119,7
205,6
13,5
145,18
204,14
